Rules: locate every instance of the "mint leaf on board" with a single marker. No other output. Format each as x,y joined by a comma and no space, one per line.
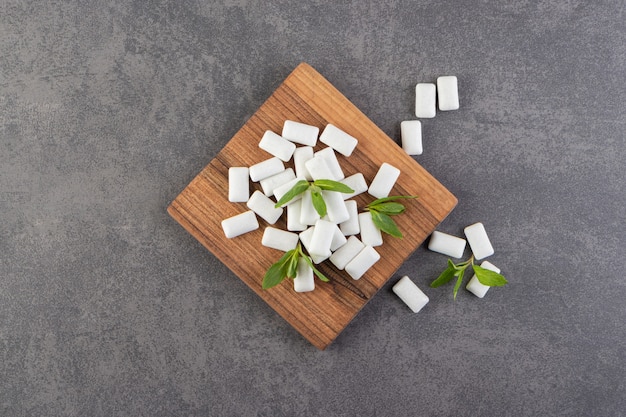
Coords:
385,223
391,198
297,189
278,271
330,185
390,208
315,270
318,201
488,277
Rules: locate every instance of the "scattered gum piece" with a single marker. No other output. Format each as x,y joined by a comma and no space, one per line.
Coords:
238,184
362,262
447,244
338,140
384,180
277,145
279,239
300,133
479,241
447,93
264,207
408,292
411,131
240,224
425,95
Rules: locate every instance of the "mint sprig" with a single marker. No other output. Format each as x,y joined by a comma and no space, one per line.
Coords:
315,187
287,267
484,276
383,208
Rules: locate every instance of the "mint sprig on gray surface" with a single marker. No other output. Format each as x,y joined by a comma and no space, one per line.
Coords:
383,208
484,276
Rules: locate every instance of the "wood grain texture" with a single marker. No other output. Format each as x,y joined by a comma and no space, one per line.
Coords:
307,97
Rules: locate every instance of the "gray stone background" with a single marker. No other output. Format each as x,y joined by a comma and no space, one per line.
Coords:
109,308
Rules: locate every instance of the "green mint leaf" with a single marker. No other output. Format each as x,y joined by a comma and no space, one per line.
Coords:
330,185
298,188
318,202
389,208
278,271
385,223
444,278
292,266
488,277
459,280
390,198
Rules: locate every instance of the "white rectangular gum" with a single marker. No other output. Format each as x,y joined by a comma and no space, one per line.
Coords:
408,292
266,168
308,214
425,97
370,234
263,206
238,184
304,280
277,146
300,133
333,163
319,169
294,210
279,239
478,240
362,262
300,156
239,224
446,244
336,209
269,184
384,180
475,286
305,238
347,252
322,238
357,183
338,140
447,93
351,226
411,132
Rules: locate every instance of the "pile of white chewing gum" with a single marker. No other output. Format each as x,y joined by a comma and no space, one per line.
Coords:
343,236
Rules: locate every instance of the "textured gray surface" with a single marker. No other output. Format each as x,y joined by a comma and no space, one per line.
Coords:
109,308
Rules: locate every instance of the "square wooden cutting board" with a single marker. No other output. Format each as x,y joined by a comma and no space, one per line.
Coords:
307,97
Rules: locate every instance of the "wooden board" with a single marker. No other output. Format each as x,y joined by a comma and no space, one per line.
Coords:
307,97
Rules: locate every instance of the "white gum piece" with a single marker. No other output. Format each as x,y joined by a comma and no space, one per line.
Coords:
410,293
319,169
336,209
293,217
304,280
333,163
305,238
308,214
479,241
300,156
357,183
279,239
300,133
266,168
411,131
447,93
239,224
351,226
446,244
322,238
347,252
370,234
338,140
277,146
425,98
269,184
362,262
384,180
238,184
475,286
338,239
263,206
